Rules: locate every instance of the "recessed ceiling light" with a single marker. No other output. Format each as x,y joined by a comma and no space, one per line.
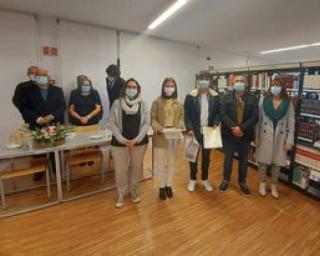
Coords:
170,11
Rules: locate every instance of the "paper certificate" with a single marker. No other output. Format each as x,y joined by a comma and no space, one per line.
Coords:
212,137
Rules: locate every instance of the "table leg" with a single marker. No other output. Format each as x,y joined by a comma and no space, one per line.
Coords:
63,166
152,159
58,175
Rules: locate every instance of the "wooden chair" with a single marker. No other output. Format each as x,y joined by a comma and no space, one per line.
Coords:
80,156
35,166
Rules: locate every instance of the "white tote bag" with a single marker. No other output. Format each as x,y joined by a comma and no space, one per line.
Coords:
191,149
212,137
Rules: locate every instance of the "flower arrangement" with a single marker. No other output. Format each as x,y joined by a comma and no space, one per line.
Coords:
50,136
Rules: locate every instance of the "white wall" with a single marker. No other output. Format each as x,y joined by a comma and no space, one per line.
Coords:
18,50
86,50
150,60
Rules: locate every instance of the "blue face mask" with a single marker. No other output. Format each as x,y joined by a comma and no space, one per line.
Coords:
131,93
203,83
85,88
276,90
42,80
239,87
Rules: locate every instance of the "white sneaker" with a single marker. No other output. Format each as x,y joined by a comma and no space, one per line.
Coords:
207,185
262,189
274,191
120,201
135,197
192,185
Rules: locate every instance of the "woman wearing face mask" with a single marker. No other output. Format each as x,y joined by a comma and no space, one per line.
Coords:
274,135
84,104
129,123
166,112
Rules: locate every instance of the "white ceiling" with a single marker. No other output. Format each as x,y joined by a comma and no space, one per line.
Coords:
237,26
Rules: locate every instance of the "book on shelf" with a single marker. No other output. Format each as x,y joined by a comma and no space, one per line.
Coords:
308,130
300,176
222,82
311,81
314,175
308,157
310,104
317,144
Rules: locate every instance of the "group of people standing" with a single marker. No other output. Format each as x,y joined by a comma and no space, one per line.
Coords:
243,120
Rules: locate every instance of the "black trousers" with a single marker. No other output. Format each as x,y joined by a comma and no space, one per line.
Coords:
230,146
205,162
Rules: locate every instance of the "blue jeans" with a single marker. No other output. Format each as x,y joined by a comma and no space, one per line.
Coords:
230,146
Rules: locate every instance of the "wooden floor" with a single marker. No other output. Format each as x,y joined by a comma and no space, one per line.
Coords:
199,223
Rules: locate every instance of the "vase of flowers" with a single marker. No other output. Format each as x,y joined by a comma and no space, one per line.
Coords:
50,136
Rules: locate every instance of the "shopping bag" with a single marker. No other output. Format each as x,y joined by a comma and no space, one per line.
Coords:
212,137
191,149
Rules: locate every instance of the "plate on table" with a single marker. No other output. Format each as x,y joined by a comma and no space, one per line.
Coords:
96,137
13,146
70,135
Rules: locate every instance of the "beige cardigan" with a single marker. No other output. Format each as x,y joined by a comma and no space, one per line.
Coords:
158,116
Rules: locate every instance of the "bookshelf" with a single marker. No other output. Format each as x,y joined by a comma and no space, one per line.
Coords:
302,82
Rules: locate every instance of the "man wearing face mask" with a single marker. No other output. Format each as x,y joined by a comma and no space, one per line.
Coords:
114,83
42,104
239,115
19,91
276,121
201,109
84,104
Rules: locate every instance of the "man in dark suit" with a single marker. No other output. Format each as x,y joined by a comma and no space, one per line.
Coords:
201,109
239,115
42,104
19,91
114,83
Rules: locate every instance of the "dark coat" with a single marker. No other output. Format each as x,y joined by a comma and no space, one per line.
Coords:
192,111
228,111
19,92
33,105
114,89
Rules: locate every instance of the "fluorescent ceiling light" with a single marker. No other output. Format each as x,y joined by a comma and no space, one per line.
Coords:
171,10
286,49
291,48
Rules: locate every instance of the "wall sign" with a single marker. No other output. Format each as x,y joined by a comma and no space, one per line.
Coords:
49,51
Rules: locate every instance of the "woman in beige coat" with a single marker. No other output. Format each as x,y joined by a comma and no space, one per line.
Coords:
166,112
274,135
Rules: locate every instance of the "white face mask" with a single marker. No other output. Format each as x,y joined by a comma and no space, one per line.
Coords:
169,91
42,80
203,84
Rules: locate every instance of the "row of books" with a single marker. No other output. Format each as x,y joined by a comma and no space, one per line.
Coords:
311,81
308,131
300,176
310,106
303,176
262,81
222,82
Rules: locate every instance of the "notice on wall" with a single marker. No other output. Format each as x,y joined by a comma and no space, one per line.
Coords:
49,51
